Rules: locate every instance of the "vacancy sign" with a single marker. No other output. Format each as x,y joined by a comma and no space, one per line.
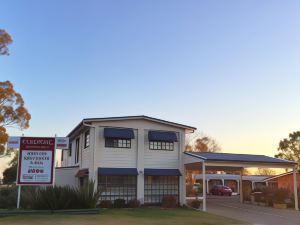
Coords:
36,161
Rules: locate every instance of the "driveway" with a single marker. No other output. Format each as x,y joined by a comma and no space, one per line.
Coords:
256,215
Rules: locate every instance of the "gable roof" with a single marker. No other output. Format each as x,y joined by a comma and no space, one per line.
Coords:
88,120
211,156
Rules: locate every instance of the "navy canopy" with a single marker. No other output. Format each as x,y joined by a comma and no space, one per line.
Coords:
162,172
125,133
117,171
162,136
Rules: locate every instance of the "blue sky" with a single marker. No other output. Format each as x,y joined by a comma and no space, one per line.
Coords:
230,68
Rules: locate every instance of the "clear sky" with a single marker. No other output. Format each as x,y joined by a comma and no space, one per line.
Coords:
230,68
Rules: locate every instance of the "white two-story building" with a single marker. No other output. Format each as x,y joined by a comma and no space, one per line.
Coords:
135,157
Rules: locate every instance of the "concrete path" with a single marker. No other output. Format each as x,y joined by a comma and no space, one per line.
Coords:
256,215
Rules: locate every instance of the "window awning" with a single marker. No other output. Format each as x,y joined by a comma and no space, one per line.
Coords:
125,133
82,173
162,136
118,171
162,172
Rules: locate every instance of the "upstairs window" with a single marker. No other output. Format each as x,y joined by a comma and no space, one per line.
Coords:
87,139
117,143
161,145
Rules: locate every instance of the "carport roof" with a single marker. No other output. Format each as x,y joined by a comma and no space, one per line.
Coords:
230,157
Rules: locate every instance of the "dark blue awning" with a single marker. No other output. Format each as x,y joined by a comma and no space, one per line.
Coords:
162,136
162,172
125,133
117,171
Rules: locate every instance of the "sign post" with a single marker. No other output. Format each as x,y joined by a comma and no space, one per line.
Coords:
36,162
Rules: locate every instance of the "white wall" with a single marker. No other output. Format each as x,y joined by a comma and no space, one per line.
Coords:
66,176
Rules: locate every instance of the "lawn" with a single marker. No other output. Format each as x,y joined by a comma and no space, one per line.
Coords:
153,216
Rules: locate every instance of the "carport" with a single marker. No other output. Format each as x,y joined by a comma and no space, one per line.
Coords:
235,162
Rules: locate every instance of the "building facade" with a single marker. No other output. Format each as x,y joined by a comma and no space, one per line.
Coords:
136,157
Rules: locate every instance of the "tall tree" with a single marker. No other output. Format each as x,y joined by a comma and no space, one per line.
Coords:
12,112
198,142
5,40
289,148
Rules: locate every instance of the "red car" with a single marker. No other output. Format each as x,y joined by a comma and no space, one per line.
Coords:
221,190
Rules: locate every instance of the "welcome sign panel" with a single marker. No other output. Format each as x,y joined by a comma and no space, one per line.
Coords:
36,161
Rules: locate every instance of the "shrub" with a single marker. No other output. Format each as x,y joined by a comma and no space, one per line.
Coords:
195,204
280,195
8,197
119,203
105,204
268,194
134,203
169,202
66,197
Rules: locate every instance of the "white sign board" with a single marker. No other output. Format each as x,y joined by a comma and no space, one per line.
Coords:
62,142
13,142
36,161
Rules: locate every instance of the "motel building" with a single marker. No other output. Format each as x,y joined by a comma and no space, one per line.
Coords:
144,158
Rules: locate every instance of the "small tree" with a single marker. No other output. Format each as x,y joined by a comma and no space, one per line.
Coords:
10,173
289,148
198,142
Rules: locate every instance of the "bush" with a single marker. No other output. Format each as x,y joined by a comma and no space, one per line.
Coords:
134,203
195,204
280,195
52,198
268,194
169,202
8,197
105,204
119,203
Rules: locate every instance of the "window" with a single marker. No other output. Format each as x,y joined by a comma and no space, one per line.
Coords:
70,149
87,139
77,151
115,187
156,187
62,155
117,143
161,145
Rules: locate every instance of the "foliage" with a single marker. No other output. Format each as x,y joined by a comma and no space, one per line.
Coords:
134,203
8,197
289,148
169,202
265,172
52,198
280,195
119,203
5,40
106,204
195,203
12,111
10,173
198,142
268,195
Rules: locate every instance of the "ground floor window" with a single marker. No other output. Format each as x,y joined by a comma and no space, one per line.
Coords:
115,187
156,187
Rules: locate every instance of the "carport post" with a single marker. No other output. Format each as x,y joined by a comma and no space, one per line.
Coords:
241,186
204,186
295,187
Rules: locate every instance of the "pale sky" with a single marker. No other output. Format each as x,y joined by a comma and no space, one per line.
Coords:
229,68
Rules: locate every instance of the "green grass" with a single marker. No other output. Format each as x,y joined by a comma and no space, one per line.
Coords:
148,216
